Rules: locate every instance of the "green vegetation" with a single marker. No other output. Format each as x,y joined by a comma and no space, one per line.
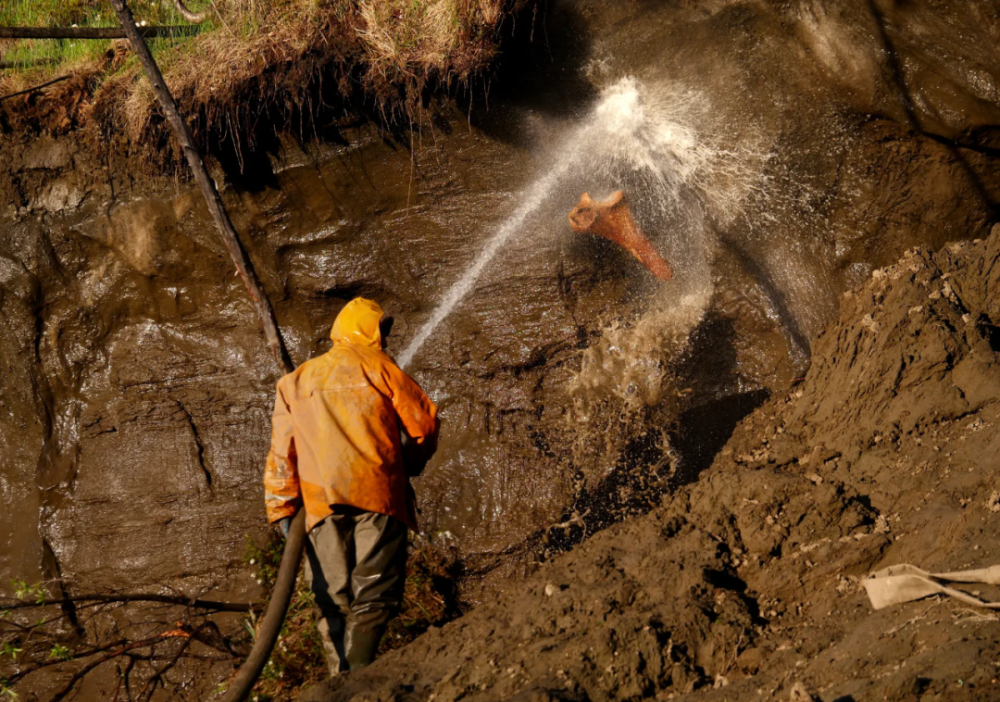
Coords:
298,657
29,593
6,692
283,59
60,653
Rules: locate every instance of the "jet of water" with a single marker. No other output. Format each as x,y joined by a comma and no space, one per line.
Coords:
536,196
634,136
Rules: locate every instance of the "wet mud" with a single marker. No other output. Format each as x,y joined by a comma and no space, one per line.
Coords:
744,584
815,142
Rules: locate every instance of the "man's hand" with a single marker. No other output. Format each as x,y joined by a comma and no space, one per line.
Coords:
284,524
416,456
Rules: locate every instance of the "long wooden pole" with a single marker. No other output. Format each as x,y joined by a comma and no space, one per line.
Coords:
207,185
281,595
93,32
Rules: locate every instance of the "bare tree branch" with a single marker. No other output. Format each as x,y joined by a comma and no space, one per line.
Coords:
110,599
79,675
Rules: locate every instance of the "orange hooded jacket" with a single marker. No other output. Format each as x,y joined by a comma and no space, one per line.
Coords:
335,432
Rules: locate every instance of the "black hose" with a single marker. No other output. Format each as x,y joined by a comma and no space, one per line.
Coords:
274,617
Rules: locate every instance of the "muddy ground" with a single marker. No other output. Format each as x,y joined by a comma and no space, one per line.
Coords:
744,584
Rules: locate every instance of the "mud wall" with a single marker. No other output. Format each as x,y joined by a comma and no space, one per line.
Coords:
137,390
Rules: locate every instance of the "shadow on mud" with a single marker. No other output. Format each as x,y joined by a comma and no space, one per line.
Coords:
541,70
895,67
651,468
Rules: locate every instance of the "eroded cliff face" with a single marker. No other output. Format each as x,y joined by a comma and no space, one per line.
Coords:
137,388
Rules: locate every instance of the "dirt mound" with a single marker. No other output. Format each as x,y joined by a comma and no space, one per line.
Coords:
647,606
745,584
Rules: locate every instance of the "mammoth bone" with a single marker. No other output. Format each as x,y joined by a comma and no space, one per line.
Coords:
612,220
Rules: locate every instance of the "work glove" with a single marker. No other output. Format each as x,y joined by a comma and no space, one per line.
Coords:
284,524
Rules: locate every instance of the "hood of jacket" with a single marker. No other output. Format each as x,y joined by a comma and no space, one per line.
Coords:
358,323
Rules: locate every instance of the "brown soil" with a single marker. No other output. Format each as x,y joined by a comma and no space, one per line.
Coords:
745,583
307,67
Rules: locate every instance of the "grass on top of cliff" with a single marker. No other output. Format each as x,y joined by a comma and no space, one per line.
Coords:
19,57
281,58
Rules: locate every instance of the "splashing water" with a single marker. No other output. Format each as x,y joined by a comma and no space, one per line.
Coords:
537,194
639,140
631,363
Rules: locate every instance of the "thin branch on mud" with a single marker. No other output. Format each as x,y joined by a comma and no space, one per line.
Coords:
915,619
576,519
157,677
80,674
45,650
36,88
973,616
114,645
111,599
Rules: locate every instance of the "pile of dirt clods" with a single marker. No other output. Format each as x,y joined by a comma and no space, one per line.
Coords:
744,585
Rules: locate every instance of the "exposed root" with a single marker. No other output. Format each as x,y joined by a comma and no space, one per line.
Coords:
269,67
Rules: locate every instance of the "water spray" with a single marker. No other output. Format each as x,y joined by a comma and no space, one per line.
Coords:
539,193
641,140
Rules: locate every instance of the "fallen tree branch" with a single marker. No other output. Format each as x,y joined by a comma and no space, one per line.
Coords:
37,87
207,185
118,599
94,32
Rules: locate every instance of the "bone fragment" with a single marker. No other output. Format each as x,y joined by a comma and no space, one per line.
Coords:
612,220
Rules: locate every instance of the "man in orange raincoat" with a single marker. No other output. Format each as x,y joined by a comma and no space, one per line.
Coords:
336,451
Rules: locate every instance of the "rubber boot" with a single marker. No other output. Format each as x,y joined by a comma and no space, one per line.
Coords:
361,644
331,633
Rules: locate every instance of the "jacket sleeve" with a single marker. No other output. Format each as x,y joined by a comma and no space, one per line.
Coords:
416,412
281,474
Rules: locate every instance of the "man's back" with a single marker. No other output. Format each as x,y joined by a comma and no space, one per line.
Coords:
336,445
336,427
